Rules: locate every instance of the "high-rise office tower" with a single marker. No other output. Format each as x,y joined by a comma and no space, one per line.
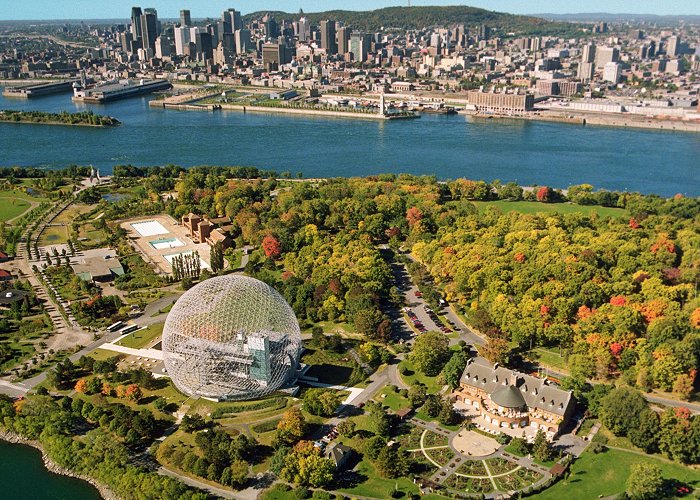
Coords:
304,30
271,28
243,44
588,54
149,28
343,38
136,22
205,49
328,37
674,44
605,55
360,45
126,38
182,40
233,17
185,19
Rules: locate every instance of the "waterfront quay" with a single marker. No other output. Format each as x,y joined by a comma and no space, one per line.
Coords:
116,91
38,89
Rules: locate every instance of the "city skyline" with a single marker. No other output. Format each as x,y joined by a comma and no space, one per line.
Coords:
82,9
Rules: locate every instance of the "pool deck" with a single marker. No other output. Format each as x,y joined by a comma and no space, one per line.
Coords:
155,256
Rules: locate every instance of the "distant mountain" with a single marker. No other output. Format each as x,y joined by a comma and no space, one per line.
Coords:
621,18
422,17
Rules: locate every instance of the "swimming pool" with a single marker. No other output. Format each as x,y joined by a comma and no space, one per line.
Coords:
166,243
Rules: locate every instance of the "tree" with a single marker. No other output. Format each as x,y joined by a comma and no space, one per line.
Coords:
305,466
541,448
81,386
322,402
430,353
378,421
646,434
683,386
496,350
133,392
346,428
238,474
290,428
392,462
417,394
621,409
271,246
217,257
454,368
644,482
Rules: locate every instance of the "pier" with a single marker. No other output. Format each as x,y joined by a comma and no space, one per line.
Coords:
38,89
121,90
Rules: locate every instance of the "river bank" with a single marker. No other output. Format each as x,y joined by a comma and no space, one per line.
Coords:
51,466
596,119
276,109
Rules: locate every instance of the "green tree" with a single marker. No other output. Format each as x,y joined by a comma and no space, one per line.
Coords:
541,448
430,353
322,402
454,368
621,410
644,482
378,422
646,434
217,257
392,462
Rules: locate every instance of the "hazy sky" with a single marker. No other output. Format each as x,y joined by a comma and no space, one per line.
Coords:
96,9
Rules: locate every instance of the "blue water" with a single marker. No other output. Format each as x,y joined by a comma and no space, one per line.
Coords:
446,146
23,475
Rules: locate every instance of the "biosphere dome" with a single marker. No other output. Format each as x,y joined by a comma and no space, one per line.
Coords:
231,338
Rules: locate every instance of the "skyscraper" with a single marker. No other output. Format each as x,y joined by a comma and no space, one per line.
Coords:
185,19
360,46
233,17
149,28
136,22
674,44
343,40
588,55
243,44
304,30
328,37
182,39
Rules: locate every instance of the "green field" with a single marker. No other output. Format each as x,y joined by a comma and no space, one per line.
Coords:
605,474
414,376
141,338
531,207
54,235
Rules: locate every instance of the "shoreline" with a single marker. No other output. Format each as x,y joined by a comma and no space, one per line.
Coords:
597,120
14,438
279,110
21,122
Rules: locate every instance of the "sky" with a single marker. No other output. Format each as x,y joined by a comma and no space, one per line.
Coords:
116,9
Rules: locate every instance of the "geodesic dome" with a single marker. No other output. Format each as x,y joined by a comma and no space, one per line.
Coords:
231,338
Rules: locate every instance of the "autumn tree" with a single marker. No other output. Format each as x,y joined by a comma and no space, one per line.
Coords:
272,247
290,428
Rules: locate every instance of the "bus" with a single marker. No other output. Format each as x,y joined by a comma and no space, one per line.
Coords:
129,329
116,326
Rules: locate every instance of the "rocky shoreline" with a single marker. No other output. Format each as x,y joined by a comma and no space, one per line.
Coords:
51,466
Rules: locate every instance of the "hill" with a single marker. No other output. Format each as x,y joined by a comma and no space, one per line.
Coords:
415,18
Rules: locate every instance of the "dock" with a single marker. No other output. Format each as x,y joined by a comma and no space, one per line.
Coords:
38,89
120,90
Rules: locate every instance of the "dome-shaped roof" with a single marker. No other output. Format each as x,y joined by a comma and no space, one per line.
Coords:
508,397
231,337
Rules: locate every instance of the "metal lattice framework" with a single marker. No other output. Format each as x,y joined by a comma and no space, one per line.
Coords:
231,338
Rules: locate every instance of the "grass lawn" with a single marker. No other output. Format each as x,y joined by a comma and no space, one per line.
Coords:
392,399
71,213
548,358
605,474
332,367
54,235
377,487
329,327
141,338
11,207
412,376
532,207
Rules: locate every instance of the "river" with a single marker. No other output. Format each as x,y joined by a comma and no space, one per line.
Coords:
553,154
23,475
